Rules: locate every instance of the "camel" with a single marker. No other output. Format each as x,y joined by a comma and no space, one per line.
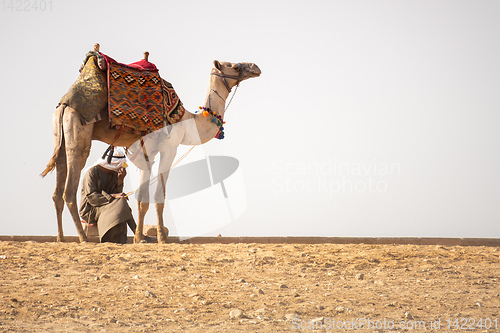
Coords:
73,142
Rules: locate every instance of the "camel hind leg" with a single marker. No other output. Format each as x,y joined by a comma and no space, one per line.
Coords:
78,139
57,197
69,195
58,161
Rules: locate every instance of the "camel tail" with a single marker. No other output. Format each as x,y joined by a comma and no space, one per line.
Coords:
58,133
50,167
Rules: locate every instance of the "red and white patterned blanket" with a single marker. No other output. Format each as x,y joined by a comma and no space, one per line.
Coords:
139,99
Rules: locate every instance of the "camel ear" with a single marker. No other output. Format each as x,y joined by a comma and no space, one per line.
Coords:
217,65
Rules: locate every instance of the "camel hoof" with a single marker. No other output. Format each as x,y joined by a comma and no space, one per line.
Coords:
138,240
162,238
162,234
60,239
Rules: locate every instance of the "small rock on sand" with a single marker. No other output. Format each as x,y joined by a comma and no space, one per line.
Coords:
291,316
236,314
340,309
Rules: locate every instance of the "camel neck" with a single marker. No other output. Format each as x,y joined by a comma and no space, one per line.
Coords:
216,96
205,129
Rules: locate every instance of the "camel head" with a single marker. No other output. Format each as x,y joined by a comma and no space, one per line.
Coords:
234,73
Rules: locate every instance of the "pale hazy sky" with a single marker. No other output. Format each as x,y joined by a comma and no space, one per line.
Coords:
371,118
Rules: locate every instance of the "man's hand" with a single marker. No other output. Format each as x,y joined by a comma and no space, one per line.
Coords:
120,195
121,175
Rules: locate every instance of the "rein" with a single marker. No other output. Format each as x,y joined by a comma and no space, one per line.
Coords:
226,76
217,119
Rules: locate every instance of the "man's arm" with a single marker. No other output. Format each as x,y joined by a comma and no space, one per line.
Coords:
118,192
95,196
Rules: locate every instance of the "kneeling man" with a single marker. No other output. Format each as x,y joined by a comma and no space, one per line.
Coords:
103,201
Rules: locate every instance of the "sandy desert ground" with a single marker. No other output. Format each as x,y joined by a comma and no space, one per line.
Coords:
71,287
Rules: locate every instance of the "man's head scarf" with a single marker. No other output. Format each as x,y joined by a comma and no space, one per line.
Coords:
116,162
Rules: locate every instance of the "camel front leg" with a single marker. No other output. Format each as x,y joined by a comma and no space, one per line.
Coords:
142,203
161,230
142,208
166,159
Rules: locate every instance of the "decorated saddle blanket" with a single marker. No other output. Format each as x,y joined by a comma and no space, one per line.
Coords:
136,97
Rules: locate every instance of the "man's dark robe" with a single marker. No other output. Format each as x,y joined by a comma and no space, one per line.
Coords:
98,206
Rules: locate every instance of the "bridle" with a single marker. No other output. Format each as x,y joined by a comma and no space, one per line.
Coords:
226,76
238,79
